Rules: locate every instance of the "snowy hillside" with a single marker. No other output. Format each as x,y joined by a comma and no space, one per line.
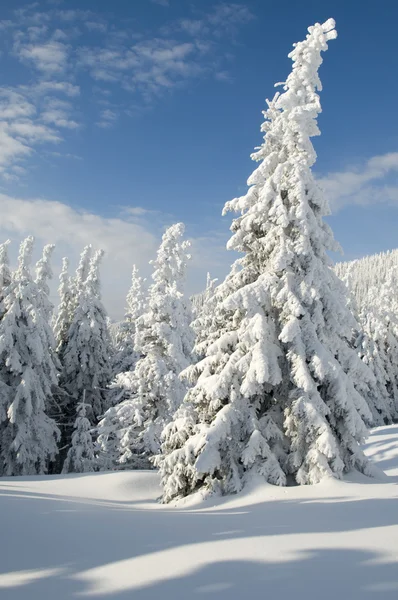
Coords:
105,536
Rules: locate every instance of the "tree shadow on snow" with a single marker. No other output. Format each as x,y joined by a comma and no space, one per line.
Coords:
41,532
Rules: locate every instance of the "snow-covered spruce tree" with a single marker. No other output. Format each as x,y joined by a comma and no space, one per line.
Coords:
82,271
80,457
70,290
129,434
125,355
27,435
204,317
284,344
5,273
87,355
5,280
43,274
64,316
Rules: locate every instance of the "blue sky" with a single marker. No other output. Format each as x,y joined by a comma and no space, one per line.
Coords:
117,119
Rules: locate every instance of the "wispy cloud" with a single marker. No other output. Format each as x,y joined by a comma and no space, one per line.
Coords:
49,58
107,118
119,69
372,182
57,112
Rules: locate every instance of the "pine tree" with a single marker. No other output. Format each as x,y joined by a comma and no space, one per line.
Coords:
28,373
5,281
80,457
130,432
64,316
125,355
5,273
43,275
275,394
87,355
82,271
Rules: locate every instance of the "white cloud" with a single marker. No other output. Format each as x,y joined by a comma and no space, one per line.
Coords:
96,26
50,58
107,118
364,184
57,112
64,87
140,66
33,132
14,105
130,238
125,242
228,16
11,149
29,117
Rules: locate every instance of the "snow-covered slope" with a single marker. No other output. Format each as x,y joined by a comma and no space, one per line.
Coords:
105,536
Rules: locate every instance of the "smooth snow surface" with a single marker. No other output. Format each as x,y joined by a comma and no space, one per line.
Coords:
105,536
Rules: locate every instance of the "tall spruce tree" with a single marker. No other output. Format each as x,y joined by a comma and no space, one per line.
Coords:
80,457
275,394
130,432
28,436
64,316
86,358
5,280
125,355
5,273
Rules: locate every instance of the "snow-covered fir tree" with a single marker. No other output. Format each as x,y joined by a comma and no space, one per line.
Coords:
275,394
5,280
64,316
82,271
204,316
28,437
125,355
129,434
43,274
86,361
80,457
5,272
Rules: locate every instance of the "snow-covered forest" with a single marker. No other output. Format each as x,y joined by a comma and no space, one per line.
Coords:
277,371
243,440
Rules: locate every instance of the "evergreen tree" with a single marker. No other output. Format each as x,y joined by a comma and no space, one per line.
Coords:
43,275
64,316
125,355
80,457
86,358
275,394
82,271
5,273
28,373
204,316
129,433
5,280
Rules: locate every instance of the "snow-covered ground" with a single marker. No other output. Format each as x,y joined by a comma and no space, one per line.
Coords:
105,536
